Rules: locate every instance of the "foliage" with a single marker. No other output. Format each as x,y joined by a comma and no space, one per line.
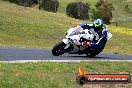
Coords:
28,27
27,3
78,10
95,14
103,11
49,5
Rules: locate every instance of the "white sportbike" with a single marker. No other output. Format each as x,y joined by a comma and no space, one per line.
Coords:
72,45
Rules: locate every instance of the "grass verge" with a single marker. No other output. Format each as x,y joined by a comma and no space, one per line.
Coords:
29,27
57,75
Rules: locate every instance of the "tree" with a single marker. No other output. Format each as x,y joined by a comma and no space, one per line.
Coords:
27,3
49,5
103,11
78,10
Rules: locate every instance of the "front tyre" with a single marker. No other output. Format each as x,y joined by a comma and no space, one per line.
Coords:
58,49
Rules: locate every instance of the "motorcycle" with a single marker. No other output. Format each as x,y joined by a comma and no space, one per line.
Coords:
72,45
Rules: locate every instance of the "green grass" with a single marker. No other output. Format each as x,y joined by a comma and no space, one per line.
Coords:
121,42
55,75
29,27
119,9
116,3
123,24
64,3
119,6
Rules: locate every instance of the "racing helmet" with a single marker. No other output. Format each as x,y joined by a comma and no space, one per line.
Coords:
98,24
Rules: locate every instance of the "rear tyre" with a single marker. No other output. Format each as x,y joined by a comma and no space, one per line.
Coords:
58,49
95,51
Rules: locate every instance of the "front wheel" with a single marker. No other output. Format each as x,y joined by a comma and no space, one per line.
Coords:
58,49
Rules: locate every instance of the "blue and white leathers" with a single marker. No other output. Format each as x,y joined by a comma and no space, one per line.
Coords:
99,36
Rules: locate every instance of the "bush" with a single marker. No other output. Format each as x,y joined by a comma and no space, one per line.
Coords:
27,3
49,5
103,11
78,10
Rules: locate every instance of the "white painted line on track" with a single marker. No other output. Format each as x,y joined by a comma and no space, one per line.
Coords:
63,61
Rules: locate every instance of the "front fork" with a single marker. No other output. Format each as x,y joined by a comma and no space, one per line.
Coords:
69,47
66,41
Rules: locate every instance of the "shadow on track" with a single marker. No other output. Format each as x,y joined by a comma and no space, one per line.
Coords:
101,56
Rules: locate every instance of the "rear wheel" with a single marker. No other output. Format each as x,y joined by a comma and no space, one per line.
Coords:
95,51
58,49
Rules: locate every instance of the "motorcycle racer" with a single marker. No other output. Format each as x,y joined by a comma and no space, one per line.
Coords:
86,38
98,29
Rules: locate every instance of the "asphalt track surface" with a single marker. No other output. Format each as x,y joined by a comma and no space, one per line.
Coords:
13,54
